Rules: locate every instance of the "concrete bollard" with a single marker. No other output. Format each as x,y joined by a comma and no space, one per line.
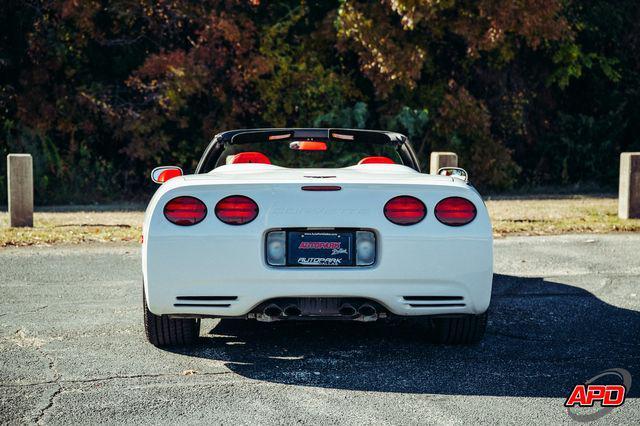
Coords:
629,186
442,159
20,188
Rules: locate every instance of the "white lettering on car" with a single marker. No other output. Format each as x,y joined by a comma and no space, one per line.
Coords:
319,261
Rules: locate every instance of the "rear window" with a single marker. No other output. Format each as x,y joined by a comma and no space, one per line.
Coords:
338,154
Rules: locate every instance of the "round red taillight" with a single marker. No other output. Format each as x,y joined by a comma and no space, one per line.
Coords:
455,211
236,210
405,210
185,211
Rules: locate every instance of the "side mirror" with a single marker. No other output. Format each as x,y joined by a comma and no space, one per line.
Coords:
162,174
455,172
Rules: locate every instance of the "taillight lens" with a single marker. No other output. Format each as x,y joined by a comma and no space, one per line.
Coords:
185,211
236,210
405,210
455,211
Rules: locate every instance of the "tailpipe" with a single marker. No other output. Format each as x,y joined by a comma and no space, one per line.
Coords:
347,310
292,311
367,310
272,310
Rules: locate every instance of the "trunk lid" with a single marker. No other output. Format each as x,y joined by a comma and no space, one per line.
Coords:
369,174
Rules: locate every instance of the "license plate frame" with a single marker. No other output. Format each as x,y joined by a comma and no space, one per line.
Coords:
321,248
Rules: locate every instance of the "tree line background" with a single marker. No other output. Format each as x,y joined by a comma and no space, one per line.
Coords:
528,92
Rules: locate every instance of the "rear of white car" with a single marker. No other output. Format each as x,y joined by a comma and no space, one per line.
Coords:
341,243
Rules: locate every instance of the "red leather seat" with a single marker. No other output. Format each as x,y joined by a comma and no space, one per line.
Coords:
249,157
376,160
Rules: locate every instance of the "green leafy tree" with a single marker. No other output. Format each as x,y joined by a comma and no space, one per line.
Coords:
528,92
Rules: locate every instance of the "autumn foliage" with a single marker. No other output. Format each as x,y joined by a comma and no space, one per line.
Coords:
528,92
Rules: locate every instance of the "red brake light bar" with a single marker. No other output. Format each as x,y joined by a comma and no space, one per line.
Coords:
321,188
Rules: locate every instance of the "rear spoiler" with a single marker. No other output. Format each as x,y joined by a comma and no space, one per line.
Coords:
265,135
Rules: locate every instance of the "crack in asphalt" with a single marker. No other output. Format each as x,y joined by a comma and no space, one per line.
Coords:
56,380
39,418
540,339
108,378
35,311
22,339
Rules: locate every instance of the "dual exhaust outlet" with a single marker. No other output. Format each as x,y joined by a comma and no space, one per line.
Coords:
274,312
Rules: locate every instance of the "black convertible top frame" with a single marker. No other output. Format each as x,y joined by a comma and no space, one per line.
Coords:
241,136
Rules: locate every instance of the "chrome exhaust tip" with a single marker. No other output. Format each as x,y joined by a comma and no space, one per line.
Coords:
347,310
272,311
367,310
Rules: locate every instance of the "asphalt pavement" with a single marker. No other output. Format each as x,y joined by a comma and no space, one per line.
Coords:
72,349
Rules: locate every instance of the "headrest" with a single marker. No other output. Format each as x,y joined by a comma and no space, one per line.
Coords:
376,160
248,157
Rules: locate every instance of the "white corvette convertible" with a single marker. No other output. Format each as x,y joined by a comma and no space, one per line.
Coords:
322,224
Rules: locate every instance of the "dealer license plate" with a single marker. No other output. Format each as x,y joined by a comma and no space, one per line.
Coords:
320,248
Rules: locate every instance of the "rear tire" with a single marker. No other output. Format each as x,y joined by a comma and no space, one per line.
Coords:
465,330
164,331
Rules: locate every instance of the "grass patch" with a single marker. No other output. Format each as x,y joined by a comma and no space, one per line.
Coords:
546,215
557,215
73,227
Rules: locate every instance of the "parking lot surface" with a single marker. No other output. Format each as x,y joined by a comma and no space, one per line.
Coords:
72,348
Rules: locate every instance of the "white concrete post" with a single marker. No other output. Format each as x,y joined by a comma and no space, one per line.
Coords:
20,188
442,159
629,186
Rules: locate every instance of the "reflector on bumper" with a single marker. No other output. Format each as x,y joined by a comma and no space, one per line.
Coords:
365,248
277,248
